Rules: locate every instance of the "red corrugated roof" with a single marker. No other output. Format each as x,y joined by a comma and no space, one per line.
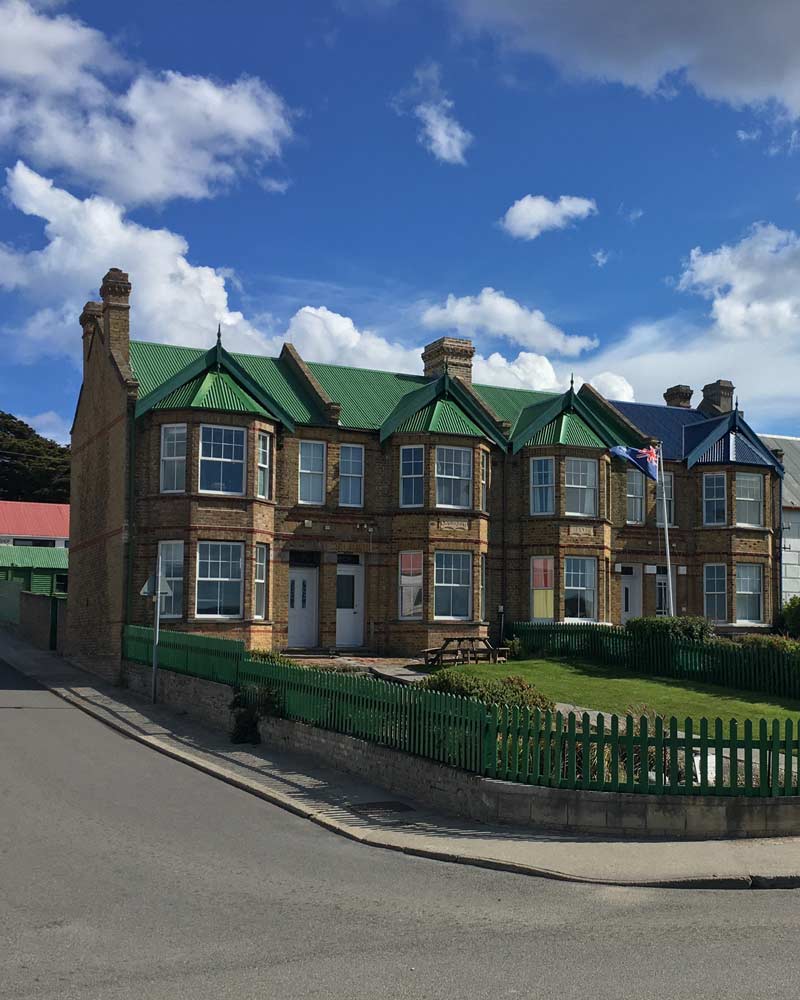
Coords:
34,520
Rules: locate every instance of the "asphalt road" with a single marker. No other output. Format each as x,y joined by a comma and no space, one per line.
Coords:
124,874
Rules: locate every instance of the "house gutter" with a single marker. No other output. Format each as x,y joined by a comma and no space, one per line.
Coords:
128,602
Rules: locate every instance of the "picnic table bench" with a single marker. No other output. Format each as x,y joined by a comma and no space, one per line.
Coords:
464,649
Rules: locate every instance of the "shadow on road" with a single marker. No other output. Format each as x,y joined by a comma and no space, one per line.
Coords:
11,680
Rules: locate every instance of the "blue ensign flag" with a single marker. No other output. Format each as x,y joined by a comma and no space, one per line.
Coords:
645,459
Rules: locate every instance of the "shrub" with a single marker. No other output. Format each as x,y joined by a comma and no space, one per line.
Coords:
501,690
680,627
791,617
778,643
515,651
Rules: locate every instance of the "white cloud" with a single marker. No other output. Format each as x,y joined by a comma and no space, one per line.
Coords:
740,52
50,425
613,386
744,136
600,257
495,314
750,337
161,136
532,215
441,133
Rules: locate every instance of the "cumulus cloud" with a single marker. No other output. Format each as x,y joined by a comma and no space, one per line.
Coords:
600,257
739,52
534,214
440,133
68,101
753,290
495,314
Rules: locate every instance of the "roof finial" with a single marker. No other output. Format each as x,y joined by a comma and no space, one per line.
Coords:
572,380
219,334
736,404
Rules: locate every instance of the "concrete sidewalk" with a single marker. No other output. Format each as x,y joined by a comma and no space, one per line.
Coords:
363,812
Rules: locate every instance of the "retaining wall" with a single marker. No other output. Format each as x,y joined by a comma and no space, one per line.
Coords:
458,793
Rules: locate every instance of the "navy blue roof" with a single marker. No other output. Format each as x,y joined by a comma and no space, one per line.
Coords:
665,423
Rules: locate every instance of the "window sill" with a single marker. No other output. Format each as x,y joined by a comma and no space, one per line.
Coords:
582,517
751,527
221,493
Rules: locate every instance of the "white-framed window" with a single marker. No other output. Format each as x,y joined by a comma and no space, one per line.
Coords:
750,499
260,580
542,588
412,475
580,479
173,458
635,497
264,484
351,475
715,600
410,585
222,459
484,480
662,591
665,490
171,554
453,477
483,588
311,488
714,505
452,593
749,592
580,588
219,579
543,485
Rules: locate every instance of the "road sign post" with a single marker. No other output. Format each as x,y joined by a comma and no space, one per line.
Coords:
156,587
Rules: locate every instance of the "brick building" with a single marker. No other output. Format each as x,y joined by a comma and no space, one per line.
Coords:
788,450
312,505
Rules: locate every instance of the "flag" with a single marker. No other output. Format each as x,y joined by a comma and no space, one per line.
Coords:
645,459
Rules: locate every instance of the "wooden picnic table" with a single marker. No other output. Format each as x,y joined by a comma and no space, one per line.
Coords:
464,649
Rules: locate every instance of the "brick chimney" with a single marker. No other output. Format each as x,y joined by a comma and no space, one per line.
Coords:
89,319
449,354
717,398
115,293
679,395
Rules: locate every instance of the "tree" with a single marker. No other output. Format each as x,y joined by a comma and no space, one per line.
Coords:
31,467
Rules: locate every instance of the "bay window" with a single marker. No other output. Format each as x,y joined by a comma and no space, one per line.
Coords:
714,505
715,602
542,588
222,463
580,479
580,588
173,458
219,579
749,592
452,596
543,486
750,499
412,476
453,477
171,554
264,484
260,581
410,585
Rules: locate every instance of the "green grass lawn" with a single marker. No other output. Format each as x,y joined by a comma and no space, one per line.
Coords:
610,689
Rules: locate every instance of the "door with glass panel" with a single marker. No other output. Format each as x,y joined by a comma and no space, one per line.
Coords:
303,605
349,602
631,596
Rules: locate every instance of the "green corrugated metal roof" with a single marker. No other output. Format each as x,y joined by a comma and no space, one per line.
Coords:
507,403
212,391
367,397
442,416
33,557
567,428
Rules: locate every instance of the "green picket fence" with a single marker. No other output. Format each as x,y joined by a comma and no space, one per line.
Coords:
611,753
747,668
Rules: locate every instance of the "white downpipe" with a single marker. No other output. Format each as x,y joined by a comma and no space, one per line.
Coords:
666,528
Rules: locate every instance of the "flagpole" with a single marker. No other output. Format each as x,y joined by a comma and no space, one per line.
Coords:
666,527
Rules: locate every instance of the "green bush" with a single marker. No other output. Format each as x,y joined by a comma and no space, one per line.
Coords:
791,617
679,627
515,651
501,690
779,643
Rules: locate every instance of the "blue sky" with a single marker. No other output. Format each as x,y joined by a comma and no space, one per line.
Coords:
363,176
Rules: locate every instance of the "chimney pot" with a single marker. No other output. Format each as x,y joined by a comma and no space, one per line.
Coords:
717,398
449,354
679,395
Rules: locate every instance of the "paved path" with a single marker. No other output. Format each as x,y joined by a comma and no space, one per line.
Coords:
346,805
128,876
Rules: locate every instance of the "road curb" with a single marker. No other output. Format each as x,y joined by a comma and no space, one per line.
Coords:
373,839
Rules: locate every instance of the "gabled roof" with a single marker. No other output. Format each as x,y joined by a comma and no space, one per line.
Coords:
34,520
567,428
212,390
33,557
727,440
790,446
443,416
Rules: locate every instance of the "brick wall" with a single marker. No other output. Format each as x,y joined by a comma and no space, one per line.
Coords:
34,618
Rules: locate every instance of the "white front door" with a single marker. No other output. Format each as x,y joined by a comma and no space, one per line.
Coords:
349,605
303,614
631,584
